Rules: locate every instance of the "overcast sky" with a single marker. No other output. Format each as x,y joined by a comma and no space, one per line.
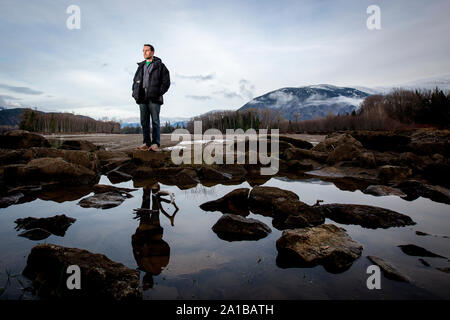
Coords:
220,54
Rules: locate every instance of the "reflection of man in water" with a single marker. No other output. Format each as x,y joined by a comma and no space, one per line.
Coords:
149,249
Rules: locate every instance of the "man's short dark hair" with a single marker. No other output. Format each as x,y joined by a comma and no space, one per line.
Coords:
149,45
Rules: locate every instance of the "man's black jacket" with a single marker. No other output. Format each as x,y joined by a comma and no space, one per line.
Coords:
159,82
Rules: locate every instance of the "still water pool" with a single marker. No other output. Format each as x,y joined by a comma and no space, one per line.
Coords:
193,263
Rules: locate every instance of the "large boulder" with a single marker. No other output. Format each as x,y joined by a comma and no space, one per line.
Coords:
299,154
86,159
50,169
186,178
345,152
262,198
152,159
382,140
340,146
327,245
295,214
415,189
334,140
79,145
365,216
101,278
430,141
102,188
208,173
235,202
438,173
232,227
10,156
22,139
104,200
380,190
393,173
297,143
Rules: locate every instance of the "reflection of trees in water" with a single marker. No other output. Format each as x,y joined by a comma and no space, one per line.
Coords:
150,251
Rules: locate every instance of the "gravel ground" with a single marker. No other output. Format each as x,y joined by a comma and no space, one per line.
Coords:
129,141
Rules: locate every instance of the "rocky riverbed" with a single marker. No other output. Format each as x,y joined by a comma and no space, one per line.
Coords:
296,229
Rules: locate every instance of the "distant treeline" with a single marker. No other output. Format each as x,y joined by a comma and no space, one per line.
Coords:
44,122
244,119
399,108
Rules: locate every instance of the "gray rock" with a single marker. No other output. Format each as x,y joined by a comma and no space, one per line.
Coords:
79,145
103,200
186,178
300,154
101,278
393,173
262,199
334,140
232,227
22,139
416,251
326,245
365,216
235,202
415,189
49,169
380,190
388,270
102,188
295,214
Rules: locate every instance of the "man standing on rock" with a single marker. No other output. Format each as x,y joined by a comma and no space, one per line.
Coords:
150,83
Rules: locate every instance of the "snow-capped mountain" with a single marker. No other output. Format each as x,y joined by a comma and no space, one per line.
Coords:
309,102
441,82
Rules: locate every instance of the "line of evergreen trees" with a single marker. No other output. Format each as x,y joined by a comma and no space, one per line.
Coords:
36,121
398,108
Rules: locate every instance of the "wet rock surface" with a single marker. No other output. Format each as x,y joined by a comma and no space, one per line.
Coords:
79,145
415,189
388,270
326,245
235,202
101,277
416,251
232,227
49,169
365,216
16,139
295,214
261,198
380,190
104,200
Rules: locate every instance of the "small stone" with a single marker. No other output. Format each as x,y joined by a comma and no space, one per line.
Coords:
413,250
232,227
389,271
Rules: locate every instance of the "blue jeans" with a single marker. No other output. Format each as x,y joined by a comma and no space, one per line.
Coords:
150,109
